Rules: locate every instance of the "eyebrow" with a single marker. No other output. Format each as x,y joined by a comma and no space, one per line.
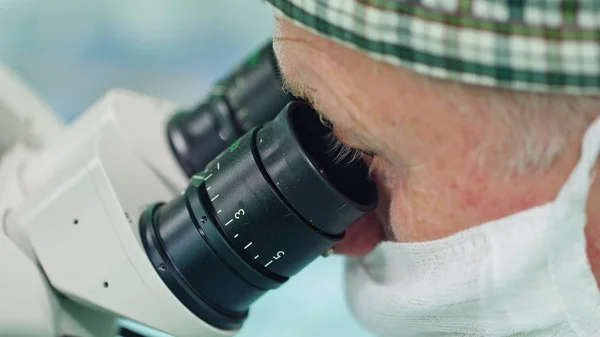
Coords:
296,86
298,89
302,90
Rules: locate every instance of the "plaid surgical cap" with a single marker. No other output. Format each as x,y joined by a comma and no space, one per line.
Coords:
532,45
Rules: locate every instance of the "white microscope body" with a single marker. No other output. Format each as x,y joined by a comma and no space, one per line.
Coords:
71,260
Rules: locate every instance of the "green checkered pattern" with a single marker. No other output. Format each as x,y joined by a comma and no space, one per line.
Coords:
532,45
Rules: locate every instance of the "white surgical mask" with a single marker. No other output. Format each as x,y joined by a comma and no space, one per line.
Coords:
523,275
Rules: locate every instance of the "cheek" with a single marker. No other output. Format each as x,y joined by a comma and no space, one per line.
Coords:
412,214
385,175
390,188
420,208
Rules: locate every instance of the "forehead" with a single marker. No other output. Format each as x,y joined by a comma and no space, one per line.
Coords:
315,68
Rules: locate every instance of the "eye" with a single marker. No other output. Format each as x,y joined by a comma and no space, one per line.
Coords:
343,152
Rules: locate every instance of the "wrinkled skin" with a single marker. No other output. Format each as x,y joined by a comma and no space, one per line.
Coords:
425,149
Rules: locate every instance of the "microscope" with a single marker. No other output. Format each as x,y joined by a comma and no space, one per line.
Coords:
178,220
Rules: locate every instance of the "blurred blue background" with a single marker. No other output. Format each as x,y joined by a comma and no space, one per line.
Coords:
71,52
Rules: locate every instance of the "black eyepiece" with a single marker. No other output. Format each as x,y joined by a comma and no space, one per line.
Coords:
260,212
248,97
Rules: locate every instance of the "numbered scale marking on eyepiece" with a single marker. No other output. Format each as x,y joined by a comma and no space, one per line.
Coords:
238,215
276,257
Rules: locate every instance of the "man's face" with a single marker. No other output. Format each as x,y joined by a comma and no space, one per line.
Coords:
429,160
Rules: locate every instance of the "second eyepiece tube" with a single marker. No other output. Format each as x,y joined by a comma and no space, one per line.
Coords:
248,97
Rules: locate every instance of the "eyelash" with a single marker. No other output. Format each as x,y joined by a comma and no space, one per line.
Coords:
343,153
